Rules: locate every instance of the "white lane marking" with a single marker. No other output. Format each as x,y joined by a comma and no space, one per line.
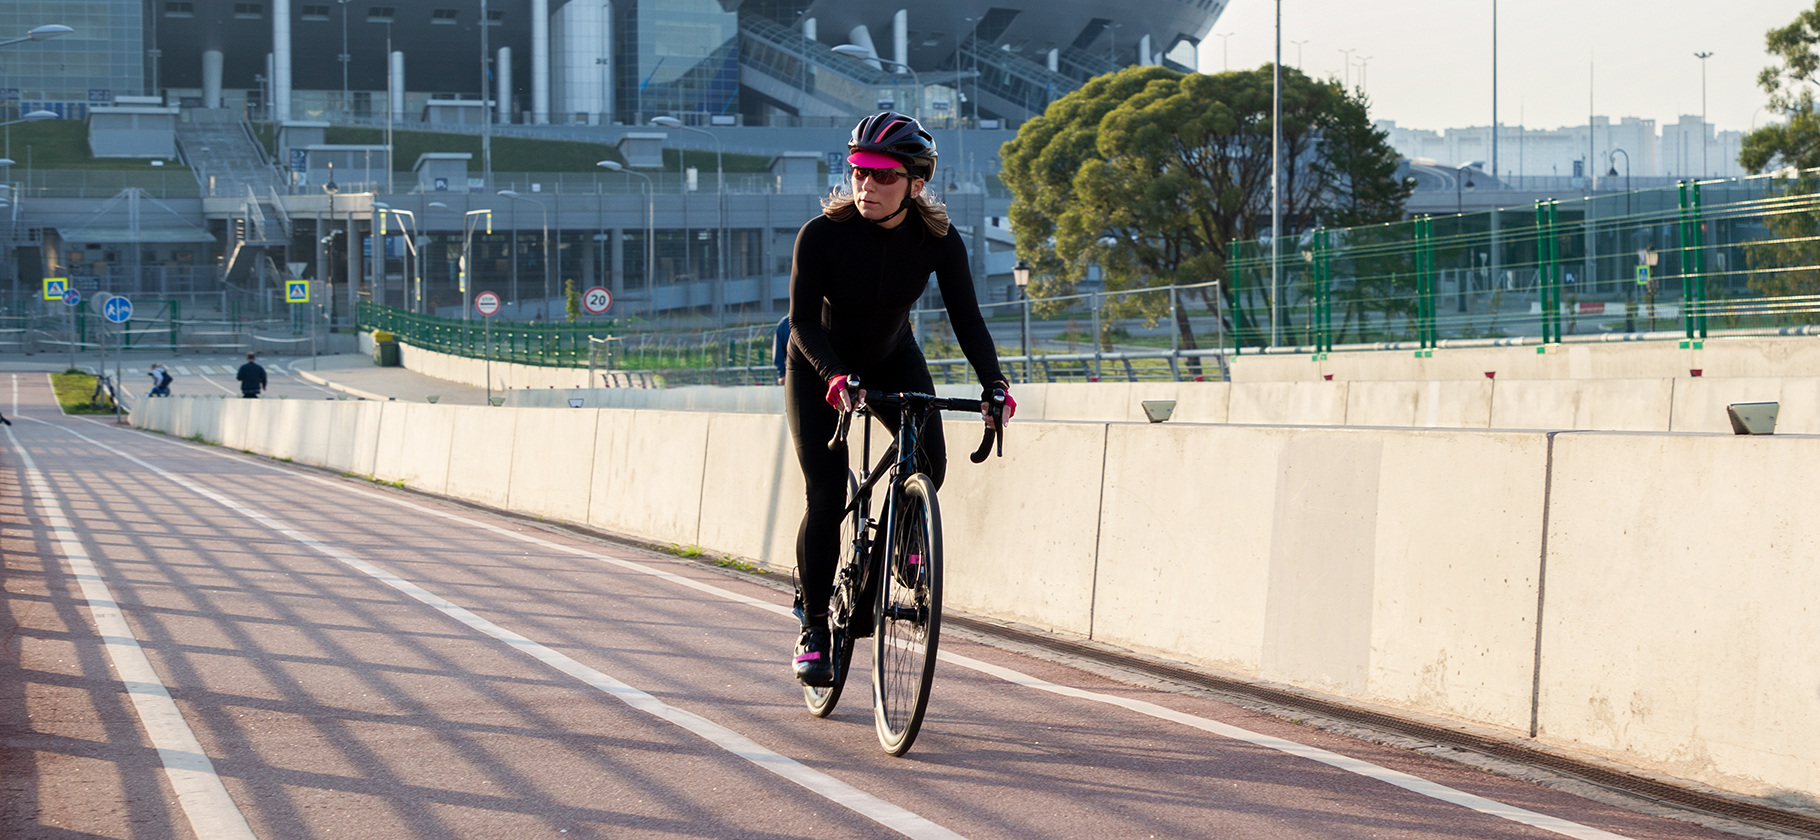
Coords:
834,790
183,370
1414,784
205,801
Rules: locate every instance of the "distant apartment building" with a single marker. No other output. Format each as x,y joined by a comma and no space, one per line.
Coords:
1672,151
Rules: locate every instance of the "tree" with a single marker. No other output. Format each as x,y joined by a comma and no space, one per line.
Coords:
1790,84
1150,174
571,299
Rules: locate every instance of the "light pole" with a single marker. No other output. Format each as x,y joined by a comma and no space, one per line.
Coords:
1365,80
41,33
1462,179
345,58
328,296
650,234
857,51
1346,67
720,213
468,221
513,194
1276,173
1021,273
1703,56
1225,56
1298,52
413,274
1630,307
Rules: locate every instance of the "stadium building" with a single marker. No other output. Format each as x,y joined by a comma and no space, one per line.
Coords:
242,96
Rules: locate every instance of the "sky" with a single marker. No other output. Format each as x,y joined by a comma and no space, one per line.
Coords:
1430,60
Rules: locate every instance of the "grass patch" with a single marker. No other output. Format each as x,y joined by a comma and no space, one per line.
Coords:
730,562
198,438
76,391
63,144
683,550
521,154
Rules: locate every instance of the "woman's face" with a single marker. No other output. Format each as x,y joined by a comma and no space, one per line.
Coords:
876,201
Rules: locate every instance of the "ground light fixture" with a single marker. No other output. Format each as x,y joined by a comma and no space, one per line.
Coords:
1753,418
1156,411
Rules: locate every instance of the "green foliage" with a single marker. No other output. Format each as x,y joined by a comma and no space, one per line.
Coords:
76,393
516,154
571,300
63,144
1149,175
1783,263
1790,86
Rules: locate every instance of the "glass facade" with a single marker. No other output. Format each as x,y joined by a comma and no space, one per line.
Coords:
679,58
103,58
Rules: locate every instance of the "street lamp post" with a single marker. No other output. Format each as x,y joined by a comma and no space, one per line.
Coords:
40,33
413,275
1021,273
1630,294
513,194
468,221
345,58
1703,56
1462,179
328,297
720,213
857,51
650,234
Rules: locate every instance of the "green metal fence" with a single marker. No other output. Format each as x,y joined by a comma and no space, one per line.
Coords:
1738,254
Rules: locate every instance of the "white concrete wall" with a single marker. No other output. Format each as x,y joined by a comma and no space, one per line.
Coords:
1717,357
1402,567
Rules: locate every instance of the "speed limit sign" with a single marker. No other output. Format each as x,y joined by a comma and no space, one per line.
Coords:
486,303
596,300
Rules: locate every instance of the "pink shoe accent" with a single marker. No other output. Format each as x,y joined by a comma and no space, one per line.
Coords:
811,656
916,559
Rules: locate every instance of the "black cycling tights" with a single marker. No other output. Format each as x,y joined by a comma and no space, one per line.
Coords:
812,424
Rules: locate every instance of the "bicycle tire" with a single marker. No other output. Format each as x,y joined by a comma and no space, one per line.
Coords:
909,616
821,700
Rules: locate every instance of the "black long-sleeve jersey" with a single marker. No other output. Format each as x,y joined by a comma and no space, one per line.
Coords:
853,284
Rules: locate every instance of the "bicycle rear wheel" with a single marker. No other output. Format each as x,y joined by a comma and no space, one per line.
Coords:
822,699
909,616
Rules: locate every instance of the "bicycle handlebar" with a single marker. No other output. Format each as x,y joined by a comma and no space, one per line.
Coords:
994,430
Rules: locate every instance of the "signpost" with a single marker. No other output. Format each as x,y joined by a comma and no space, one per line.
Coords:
487,304
117,309
596,300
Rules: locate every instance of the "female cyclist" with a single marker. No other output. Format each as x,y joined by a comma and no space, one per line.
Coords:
858,269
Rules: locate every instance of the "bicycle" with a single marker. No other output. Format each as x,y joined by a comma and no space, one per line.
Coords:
893,565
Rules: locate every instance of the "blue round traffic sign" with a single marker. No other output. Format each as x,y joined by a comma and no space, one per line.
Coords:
71,297
118,309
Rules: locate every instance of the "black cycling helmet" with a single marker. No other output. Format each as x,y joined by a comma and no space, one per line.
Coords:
892,139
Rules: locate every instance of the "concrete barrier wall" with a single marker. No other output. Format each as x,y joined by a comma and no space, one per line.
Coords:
1657,359
1396,566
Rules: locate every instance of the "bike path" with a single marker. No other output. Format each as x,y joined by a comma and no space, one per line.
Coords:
358,661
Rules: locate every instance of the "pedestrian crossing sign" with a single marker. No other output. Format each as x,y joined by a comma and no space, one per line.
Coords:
296,291
54,287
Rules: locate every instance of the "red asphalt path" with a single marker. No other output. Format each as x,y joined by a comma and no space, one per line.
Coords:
319,657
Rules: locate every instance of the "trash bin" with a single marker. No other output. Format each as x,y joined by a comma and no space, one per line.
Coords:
385,348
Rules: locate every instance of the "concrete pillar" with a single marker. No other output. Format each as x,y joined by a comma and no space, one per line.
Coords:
900,38
1055,61
503,95
1144,50
353,242
281,59
861,36
395,93
809,28
540,62
211,78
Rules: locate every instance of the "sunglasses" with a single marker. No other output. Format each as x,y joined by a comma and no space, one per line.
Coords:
881,177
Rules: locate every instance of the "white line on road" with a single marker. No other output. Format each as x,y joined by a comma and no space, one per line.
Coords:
834,790
205,801
1414,784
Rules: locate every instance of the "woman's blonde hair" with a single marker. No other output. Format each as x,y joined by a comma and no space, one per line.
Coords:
839,205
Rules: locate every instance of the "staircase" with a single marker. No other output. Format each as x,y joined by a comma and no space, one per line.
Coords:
231,164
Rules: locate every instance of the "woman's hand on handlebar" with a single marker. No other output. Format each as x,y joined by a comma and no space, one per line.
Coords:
986,402
844,393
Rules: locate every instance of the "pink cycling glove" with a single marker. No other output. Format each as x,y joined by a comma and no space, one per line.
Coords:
837,390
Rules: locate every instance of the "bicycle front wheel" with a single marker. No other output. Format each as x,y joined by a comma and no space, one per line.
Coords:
909,616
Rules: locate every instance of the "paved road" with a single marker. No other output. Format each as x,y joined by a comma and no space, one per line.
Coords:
200,643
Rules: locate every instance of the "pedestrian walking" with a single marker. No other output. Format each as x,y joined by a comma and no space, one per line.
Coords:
780,347
161,380
252,378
